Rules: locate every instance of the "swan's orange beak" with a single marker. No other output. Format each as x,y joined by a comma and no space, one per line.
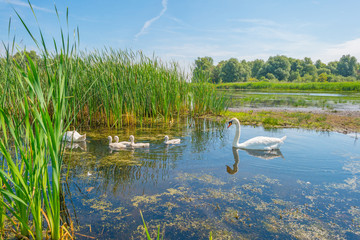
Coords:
230,123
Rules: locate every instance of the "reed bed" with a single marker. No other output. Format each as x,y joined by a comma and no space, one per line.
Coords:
313,86
41,98
115,88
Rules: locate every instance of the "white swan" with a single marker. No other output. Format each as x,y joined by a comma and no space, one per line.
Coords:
115,146
172,141
137,145
73,136
128,144
258,143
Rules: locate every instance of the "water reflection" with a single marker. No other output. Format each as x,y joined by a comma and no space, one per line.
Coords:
185,188
126,168
234,169
265,154
76,145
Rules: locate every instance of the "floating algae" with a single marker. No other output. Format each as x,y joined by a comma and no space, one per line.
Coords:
200,177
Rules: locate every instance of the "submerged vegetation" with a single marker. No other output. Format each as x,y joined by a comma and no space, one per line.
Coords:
41,96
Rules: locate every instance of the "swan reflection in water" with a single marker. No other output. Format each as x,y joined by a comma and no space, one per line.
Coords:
264,154
236,159
76,145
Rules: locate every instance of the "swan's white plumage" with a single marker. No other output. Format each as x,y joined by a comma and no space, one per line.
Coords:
137,145
116,145
73,136
127,144
172,141
256,143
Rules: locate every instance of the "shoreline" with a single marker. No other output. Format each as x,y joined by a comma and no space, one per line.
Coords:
339,112
342,121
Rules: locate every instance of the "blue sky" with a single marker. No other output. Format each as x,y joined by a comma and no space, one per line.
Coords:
183,30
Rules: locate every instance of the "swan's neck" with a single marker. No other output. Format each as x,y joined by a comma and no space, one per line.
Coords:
237,135
110,140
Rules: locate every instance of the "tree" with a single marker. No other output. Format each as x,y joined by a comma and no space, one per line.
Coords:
332,66
323,77
319,64
295,65
203,67
21,59
230,71
245,71
216,72
323,70
279,66
347,66
256,66
308,67
294,76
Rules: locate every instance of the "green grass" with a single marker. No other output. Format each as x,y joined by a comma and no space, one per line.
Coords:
313,86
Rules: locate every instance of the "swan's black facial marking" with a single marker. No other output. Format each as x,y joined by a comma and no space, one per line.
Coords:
230,123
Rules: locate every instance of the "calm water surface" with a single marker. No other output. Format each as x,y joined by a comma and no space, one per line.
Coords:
343,101
309,190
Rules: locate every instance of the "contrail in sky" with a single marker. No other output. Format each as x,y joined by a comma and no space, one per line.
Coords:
149,22
25,4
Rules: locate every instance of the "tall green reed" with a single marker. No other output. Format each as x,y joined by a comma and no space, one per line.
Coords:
40,99
32,122
125,87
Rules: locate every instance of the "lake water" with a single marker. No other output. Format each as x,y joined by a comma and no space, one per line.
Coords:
343,101
309,190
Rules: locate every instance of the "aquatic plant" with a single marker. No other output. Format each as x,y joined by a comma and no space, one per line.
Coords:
147,231
32,129
121,87
125,87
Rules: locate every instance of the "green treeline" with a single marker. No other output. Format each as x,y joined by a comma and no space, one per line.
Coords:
278,69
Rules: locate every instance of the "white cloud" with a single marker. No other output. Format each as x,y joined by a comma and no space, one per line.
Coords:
149,22
26,4
335,52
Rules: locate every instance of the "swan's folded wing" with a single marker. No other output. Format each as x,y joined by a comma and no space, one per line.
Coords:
261,143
